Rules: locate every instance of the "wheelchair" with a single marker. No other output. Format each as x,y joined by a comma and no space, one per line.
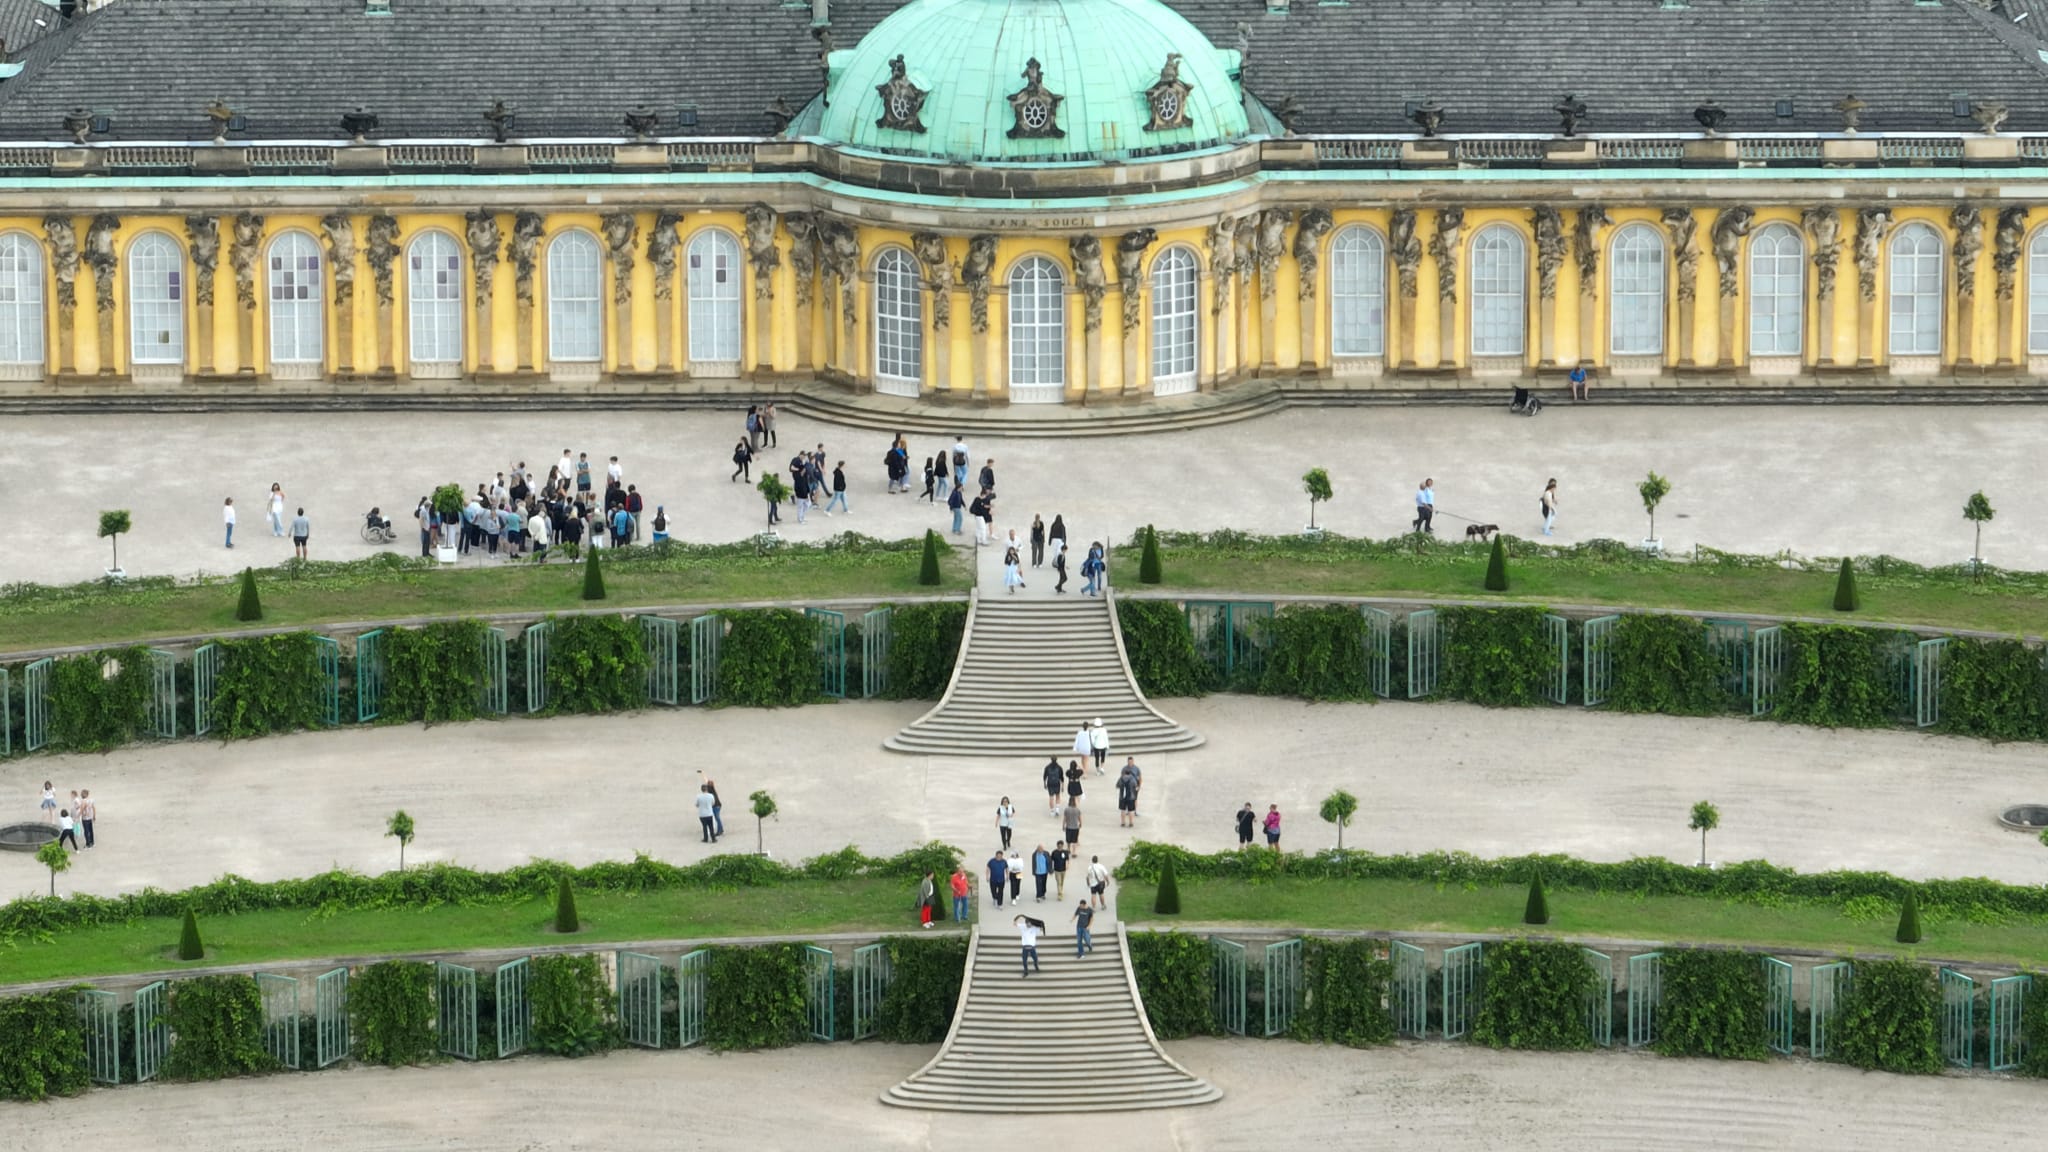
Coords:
377,528
1525,403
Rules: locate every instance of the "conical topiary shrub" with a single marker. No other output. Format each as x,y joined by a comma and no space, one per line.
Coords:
189,947
1168,901
1148,561
1845,588
250,607
1537,910
593,577
1909,919
565,908
928,570
1497,567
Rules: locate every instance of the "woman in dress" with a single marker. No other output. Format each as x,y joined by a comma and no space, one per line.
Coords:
1548,502
1013,574
276,510
49,805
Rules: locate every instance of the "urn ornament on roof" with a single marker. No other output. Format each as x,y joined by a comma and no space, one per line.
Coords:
1036,107
221,116
358,122
1709,116
1168,98
1428,116
902,100
642,121
78,122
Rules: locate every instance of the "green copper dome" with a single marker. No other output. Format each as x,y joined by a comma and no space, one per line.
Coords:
1104,88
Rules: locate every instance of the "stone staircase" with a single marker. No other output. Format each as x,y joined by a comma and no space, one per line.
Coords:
1030,673
1071,1038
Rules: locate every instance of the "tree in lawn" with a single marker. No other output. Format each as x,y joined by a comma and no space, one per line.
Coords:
113,523
250,606
400,825
1705,818
1846,599
566,920
774,491
763,806
1316,483
1653,490
1338,808
1977,511
928,569
1909,919
53,856
189,947
1148,560
593,577
1497,566
1537,910
1167,901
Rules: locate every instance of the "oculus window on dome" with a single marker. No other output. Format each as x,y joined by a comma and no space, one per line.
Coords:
1036,107
1168,98
902,100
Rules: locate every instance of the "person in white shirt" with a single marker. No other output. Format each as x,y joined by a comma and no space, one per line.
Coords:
1098,743
1084,743
1028,932
276,510
567,468
227,515
1098,882
617,473
707,806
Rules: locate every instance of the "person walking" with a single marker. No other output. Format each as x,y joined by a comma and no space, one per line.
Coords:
302,530
927,895
1013,572
706,813
717,808
1016,863
1091,571
998,876
802,490
1070,824
1084,745
1548,502
1073,782
1005,814
1037,540
1247,820
1041,870
753,425
1059,563
1028,932
1098,742
227,515
48,807
958,504
959,462
959,885
1051,774
1425,507
276,510
1059,859
1273,827
1127,784
988,475
742,461
87,813
838,490
1098,882
65,830
768,425
1083,943
983,516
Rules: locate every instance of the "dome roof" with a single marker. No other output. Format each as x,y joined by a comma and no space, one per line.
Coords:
1105,88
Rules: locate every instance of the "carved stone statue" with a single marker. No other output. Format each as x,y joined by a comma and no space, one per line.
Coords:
761,250
1089,277
902,100
1872,225
1729,229
202,235
1308,247
63,241
930,250
2005,247
842,257
1548,225
1444,246
219,115
803,252
1289,112
779,115
1272,237
1406,248
978,269
620,230
1570,111
1586,245
662,243
1222,261
1990,115
1246,259
382,250
485,244
242,256
527,229
101,254
1683,229
1824,231
1130,272
1968,221
1852,112
501,119
1168,98
1035,108
341,256
1428,116
1709,116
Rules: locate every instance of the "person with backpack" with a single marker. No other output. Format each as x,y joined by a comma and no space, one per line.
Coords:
838,490
1098,882
1041,870
1052,774
1127,793
959,462
742,459
930,475
1247,820
927,895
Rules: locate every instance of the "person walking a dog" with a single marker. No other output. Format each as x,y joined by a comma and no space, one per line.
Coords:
1548,503
1425,507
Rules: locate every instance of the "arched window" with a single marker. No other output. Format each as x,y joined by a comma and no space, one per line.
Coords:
2037,294
1038,332
156,301
1358,293
715,299
294,285
1173,322
575,298
1777,292
1916,292
899,323
433,299
1635,273
1500,291
21,299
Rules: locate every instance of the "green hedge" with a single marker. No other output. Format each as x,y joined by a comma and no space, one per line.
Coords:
1173,971
1500,657
1713,1005
1662,664
1891,1018
1317,652
574,1013
924,644
1533,995
924,986
596,664
267,684
1344,993
768,659
1837,677
2034,1028
434,673
755,997
43,1053
391,1013
1995,689
1161,648
218,1021
99,700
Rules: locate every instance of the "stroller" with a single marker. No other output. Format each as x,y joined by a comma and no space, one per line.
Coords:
1525,403
377,528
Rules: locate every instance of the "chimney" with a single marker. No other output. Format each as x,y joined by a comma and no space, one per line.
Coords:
376,7
821,13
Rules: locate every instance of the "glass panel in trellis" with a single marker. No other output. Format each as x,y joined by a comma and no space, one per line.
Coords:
1958,1018
535,646
1226,965
455,1001
163,694
870,984
1557,637
495,686
330,1017
1209,622
1379,650
819,993
328,651
706,634
2008,1007
1826,987
692,982
1597,666
1409,995
1897,652
6,712
875,626
639,979
1728,640
1927,681
1766,669
1778,1014
1600,998
1251,630
662,638
514,1007
828,645
280,1017
1461,988
205,671
1425,649
1645,997
152,1030
100,1015
369,675
35,704
1283,985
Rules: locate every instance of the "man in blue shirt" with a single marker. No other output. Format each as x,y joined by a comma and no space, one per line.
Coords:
998,874
1425,507
622,528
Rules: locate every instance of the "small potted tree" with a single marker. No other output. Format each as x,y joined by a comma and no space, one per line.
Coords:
774,491
1977,511
1705,818
448,502
115,522
1653,490
400,826
1315,482
1338,808
763,806
53,856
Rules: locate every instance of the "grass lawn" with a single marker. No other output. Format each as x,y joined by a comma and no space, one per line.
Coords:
257,937
1406,905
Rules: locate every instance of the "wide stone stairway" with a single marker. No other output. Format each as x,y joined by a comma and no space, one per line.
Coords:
1031,672
1070,1038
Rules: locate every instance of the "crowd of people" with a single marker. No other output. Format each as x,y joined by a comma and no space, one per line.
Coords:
521,514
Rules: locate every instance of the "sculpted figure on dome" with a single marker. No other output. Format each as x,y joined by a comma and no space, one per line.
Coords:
902,101
1036,107
1168,98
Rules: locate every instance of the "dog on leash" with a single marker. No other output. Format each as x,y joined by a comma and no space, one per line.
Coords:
1480,532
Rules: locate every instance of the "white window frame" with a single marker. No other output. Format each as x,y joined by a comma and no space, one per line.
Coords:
21,299
576,289
712,263
433,299
1636,280
1777,292
1498,280
294,279
1358,293
1038,324
156,300
1914,291
2037,293
1176,275
899,318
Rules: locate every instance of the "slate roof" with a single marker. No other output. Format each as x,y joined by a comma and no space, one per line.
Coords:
19,25
573,69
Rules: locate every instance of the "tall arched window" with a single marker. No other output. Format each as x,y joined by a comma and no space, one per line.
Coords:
1358,293
1635,271
21,299
715,299
899,323
2037,294
1777,292
575,298
433,299
1173,322
1500,291
294,287
156,301
1916,292
1038,332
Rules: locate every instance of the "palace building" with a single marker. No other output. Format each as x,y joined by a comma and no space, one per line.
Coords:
1021,201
